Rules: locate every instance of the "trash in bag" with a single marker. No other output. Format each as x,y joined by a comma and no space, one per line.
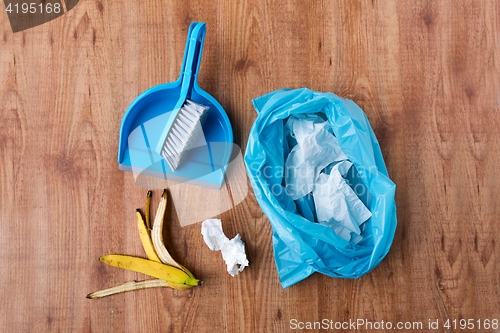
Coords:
318,174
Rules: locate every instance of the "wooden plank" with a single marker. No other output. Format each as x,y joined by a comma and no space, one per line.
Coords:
442,70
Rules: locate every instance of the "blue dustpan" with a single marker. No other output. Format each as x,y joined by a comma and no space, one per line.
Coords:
146,118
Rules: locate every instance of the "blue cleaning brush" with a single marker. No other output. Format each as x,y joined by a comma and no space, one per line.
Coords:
187,117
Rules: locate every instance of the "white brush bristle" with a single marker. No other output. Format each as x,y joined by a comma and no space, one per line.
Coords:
185,129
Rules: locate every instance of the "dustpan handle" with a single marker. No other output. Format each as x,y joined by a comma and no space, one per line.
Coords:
192,57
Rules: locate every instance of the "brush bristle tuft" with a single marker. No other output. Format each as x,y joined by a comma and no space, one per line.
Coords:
185,129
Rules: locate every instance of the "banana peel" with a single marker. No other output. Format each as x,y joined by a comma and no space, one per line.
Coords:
145,239
157,237
150,251
128,286
151,268
160,264
148,204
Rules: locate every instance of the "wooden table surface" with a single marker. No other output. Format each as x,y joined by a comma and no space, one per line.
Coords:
425,72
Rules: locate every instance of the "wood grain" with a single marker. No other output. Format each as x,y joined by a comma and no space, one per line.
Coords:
425,72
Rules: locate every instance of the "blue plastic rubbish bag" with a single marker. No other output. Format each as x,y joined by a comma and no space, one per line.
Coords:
302,247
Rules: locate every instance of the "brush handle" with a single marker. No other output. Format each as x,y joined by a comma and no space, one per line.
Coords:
192,57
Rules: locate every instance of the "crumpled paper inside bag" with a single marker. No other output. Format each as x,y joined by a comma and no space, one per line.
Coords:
316,165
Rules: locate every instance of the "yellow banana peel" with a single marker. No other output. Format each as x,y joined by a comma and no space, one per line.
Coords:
151,268
148,204
161,265
151,253
145,239
157,237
